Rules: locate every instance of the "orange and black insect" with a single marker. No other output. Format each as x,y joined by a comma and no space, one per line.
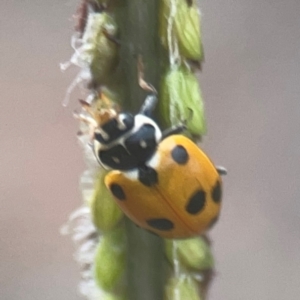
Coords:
161,180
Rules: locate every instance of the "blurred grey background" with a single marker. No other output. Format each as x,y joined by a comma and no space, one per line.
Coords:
251,84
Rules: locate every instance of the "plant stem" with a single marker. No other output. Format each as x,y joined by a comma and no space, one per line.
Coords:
145,264
138,25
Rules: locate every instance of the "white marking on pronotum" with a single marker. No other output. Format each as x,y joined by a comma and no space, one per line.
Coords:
120,121
141,120
104,134
143,144
154,161
116,160
132,174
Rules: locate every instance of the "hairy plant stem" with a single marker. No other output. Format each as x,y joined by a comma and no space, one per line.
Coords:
138,24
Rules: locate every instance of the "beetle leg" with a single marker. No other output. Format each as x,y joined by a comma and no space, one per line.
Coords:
221,170
173,130
149,105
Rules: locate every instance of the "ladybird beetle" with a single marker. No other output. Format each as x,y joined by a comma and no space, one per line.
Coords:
161,180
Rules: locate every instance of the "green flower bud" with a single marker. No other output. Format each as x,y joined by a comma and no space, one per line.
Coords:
110,259
182,288
110,296
105,212
185,21
193,253
188,32
98,51
181,100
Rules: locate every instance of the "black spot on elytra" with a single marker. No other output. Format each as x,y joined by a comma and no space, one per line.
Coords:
216,192
180,155
196,202
117,191
147,176
161,224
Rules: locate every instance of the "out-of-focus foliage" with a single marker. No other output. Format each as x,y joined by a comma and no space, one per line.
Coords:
181,100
